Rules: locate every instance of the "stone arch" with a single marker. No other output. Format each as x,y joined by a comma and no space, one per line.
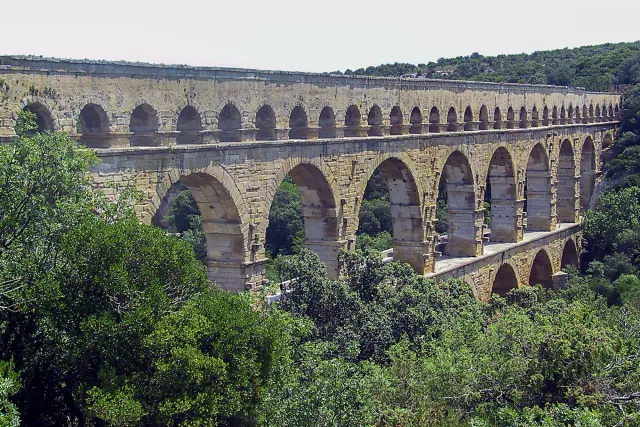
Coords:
416,121
569,254
616,111
563,115
405,196
607,141
505,280
452,120
598,113
497,118
484,118
144,124
587,172
566,184
229,124
468,119
534,117
189,125
591,116
541,270
545,116
523,118
511,124
434,120
554,116
611,112
570,114
502,180
463,232
577,115
604,112
585,114
320,194
374,120
298,123
44,118
538,190
395,117
327,123
93,124
352,121
266,123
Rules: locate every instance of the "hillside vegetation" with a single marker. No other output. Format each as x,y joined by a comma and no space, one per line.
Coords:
596,68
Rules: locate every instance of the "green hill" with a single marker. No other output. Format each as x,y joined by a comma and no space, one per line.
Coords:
596,68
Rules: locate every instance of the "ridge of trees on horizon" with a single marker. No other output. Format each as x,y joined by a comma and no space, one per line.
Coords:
595,68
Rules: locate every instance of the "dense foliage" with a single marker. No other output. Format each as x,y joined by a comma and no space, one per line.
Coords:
592,67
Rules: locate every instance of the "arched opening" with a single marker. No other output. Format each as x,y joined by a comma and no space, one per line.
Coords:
570,114
265,124
566,186
604,113
144,123
393,181
607,141
591,116
598,117
569,255
587,172
504,281
468,119
189,125
563,116
500,193
541,271
452,120
523,118
616,111
511,124
610,112
534,117
44,119
578,119
434,120
538,190
545,116
462,232
229,124
397,127
585,114
327,123
303,211
298,124
374,120
416,121
484,118
554,116
200,209
497,118
352,122
93,124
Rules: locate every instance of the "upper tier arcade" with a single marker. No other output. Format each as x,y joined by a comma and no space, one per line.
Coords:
107,104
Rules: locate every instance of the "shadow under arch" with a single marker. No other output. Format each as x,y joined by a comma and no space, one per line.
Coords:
44,118
463,229
320,212
541,270
566,184
93,124
569,254
587,172
538,190
505,280
189,125
404,195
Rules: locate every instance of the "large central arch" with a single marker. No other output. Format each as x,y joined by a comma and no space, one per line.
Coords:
463,217
538,191
504,210
566,186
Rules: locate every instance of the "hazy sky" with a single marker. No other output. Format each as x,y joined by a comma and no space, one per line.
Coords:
299,35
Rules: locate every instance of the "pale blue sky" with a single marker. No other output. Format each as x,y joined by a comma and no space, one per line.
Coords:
307,36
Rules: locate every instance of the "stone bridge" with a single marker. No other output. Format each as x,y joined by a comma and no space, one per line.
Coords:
231,136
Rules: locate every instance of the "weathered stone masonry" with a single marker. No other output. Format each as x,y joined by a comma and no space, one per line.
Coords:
231,136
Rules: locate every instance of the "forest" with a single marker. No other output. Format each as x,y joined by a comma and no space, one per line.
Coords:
107,321
595,68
